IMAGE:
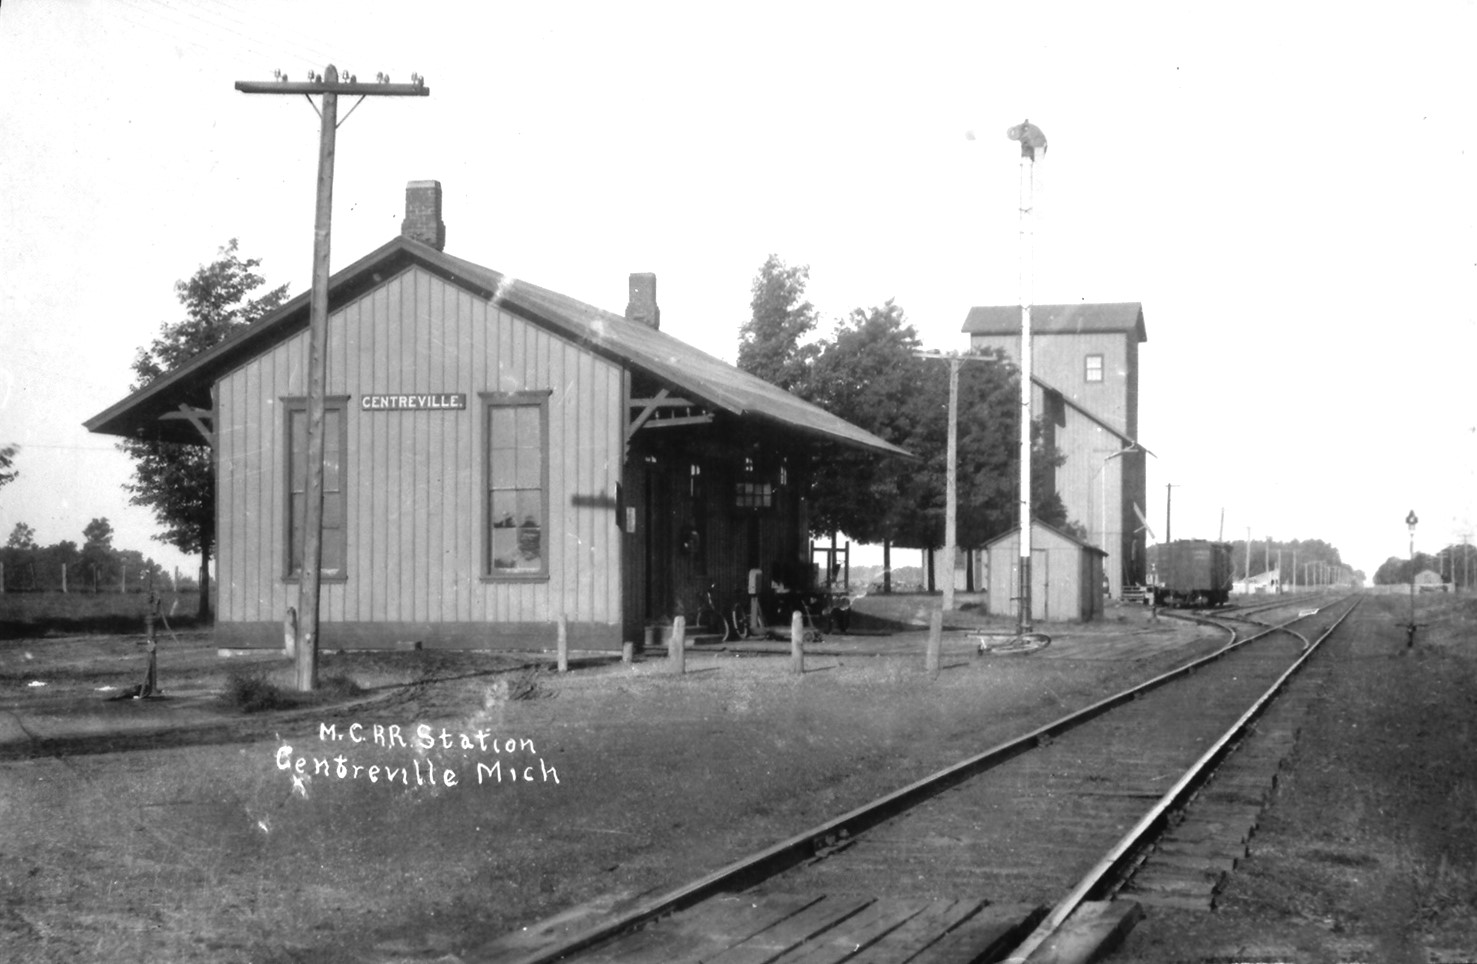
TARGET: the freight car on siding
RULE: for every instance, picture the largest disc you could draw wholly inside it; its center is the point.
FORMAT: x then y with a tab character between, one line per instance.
1193	572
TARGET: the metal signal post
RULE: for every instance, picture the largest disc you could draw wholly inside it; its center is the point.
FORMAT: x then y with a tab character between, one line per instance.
329	86
1031	140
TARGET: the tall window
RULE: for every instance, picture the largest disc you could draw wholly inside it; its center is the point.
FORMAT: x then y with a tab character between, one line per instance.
1094	368
335	508
517	474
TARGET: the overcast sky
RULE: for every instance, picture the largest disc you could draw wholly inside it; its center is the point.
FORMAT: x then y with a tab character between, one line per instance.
1287	188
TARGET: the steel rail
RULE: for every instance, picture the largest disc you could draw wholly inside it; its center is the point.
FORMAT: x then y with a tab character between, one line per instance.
1112	862
782	856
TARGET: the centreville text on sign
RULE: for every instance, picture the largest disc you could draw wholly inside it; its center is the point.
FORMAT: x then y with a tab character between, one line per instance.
408	403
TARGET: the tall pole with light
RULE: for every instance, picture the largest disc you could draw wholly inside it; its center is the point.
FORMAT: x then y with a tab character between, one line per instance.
1032	141
951	485
1102	473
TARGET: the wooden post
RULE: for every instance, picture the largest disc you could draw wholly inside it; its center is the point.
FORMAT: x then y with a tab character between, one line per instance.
797	643
2	578
289	633
562	644
628	652
123	581
151	676
676	649
64	577
935	636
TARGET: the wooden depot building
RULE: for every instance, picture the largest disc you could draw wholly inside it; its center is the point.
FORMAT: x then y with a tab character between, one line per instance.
498	456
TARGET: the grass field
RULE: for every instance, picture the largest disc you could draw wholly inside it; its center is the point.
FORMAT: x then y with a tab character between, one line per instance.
35	614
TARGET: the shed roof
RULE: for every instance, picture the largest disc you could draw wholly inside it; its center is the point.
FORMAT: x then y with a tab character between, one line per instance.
669	360
1038	524
1127	316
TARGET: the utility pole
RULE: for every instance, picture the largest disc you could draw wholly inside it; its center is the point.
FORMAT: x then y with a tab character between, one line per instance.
951	484
328	85
1031	140
1168	500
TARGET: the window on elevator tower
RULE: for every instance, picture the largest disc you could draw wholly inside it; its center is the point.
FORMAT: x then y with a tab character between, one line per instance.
1094	368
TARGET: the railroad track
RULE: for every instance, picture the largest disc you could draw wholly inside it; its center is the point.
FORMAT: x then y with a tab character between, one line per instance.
972	863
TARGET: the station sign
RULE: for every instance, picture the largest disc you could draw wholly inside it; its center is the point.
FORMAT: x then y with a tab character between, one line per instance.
455	401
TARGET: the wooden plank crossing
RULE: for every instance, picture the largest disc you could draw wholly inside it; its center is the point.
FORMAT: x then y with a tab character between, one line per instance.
756	928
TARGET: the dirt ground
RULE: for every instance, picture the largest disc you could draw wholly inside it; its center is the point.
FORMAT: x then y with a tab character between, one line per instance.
179	830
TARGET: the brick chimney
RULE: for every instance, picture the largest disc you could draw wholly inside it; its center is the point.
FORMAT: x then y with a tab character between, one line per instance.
642	306
423	214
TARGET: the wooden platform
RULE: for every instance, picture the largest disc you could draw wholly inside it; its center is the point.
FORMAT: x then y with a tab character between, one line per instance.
796	929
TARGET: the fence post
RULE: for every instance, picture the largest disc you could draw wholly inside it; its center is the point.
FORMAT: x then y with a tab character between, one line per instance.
797	643
64	577
123	582
562	643
675	651
628	652
151	678
935	633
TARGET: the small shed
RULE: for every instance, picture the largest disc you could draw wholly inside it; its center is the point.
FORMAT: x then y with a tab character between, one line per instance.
1263	582
1429	580
1066	575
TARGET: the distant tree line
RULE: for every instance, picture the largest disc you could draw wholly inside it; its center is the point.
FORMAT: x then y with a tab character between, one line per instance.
1304	562
1456	564
94	566
868	371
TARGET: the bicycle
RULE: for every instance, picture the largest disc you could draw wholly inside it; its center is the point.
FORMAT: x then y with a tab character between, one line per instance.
710	618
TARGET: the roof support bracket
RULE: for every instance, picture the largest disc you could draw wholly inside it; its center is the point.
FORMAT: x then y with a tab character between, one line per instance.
197	417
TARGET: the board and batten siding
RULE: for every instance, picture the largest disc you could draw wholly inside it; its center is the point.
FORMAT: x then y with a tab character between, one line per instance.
416	480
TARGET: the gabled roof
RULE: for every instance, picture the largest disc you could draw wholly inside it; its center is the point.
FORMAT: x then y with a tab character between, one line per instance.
696	374
1038	524
1127	316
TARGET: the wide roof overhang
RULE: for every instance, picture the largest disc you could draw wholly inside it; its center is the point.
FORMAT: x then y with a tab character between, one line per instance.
159	409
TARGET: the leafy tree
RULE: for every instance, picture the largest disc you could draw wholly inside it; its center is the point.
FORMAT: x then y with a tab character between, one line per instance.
98	558
1396	571
21	537
172	479
772	342
870	374
8	472
98	536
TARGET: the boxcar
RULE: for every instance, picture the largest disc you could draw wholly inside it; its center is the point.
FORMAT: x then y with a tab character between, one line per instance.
1193	572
